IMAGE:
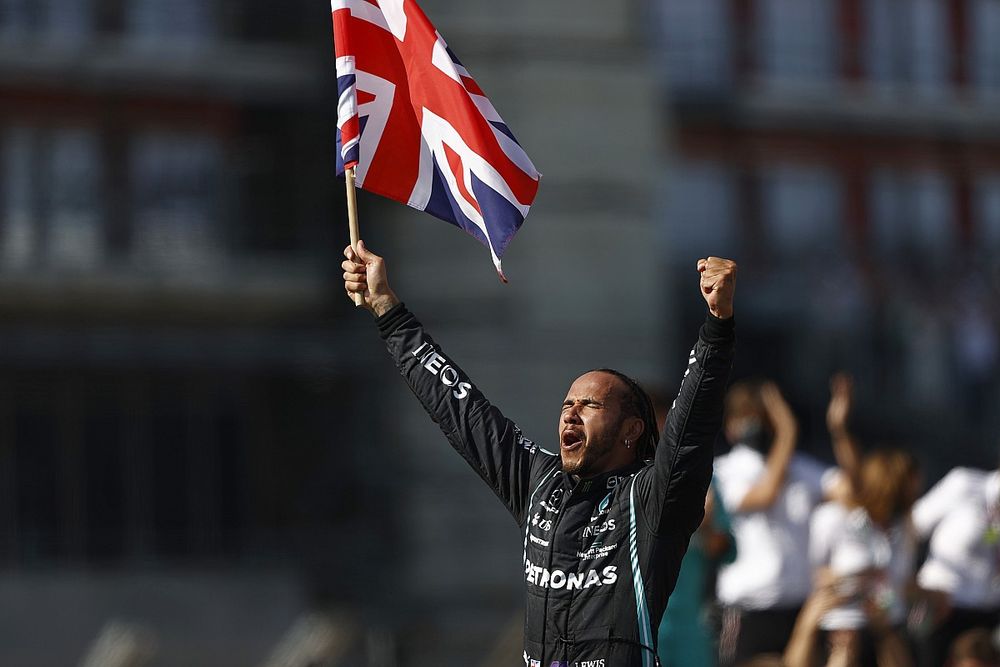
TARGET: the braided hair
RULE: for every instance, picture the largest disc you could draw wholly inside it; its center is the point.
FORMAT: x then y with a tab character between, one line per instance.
638	404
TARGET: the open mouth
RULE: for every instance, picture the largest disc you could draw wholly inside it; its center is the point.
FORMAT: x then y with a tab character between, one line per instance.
571	441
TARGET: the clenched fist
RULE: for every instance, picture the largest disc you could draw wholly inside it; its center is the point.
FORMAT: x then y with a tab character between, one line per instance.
718	282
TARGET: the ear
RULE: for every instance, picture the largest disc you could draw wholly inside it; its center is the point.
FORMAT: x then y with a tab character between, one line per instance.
633	429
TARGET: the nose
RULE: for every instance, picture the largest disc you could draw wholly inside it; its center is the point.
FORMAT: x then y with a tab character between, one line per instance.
571	414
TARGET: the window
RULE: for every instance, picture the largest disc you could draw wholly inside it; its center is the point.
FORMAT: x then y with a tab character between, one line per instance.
178	22
696	44
700	211
18	235
907	46
913	215
986	232
796	39
67	19
64	19
17	17
929	46
176	179
51	184
984	48
72	199
800	208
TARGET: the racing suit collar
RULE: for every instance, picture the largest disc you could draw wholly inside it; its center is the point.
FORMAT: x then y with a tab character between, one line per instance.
602	482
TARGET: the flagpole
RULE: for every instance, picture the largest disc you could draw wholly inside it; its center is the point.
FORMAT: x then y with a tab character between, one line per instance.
352	219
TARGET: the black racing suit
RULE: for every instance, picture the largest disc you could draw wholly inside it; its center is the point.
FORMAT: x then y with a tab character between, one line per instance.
601	555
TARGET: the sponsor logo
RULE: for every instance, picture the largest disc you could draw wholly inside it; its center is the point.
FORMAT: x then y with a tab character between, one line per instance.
432	361
603	508
598	528
531	662
552	504
524	442
614	481
556	579
598	550
542	524
539	541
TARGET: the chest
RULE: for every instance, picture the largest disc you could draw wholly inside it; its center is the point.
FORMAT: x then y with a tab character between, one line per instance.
966	530
579	530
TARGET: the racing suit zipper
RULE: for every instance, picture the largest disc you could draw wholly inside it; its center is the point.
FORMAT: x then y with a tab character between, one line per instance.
548	590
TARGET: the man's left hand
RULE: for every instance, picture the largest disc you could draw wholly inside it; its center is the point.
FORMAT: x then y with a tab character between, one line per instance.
718	282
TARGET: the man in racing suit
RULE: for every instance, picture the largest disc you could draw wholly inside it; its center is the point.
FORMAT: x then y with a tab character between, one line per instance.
607	520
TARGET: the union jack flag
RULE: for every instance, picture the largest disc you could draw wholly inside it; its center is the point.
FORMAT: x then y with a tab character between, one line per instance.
418	129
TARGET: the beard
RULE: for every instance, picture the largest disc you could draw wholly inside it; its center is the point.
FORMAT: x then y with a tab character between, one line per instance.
590	454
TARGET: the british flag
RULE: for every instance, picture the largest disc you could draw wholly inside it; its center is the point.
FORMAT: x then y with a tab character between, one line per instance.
418	129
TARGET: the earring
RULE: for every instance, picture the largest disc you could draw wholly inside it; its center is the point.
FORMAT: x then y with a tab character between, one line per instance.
628	445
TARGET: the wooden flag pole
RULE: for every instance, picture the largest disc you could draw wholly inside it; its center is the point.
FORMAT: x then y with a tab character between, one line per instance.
352	219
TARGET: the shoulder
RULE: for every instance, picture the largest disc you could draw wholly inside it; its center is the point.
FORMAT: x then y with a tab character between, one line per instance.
828	516
960	482
739	461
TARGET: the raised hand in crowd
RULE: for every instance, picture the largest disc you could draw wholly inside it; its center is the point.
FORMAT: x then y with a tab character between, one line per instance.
786	432
803	646
838	413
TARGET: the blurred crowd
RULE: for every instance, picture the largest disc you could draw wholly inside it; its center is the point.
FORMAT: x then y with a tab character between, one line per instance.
800	564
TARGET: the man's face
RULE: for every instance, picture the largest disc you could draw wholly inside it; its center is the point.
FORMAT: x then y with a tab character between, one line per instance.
591	426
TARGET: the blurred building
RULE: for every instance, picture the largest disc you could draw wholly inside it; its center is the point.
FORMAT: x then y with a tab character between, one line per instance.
848	153
173	411
199	439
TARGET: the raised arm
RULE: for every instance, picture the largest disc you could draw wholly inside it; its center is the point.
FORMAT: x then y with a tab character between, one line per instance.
673	489
838	413
765	491
803	645
491	444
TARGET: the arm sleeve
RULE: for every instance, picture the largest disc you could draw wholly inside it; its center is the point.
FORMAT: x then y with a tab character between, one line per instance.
491	444
936	503
673	488
824	525
732	484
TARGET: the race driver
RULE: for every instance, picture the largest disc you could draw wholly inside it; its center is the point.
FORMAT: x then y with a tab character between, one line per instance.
607	520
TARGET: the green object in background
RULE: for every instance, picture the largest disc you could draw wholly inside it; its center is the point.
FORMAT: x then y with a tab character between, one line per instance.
686	638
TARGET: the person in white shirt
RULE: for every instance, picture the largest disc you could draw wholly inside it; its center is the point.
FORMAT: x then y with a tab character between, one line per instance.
864	545
961	516
770	492
867	548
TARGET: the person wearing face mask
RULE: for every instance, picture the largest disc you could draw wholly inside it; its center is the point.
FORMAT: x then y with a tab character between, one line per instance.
769	490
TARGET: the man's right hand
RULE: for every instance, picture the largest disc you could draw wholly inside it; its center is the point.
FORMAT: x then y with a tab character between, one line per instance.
364	274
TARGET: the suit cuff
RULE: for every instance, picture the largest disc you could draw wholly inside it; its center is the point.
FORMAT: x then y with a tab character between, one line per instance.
718	332
392	319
